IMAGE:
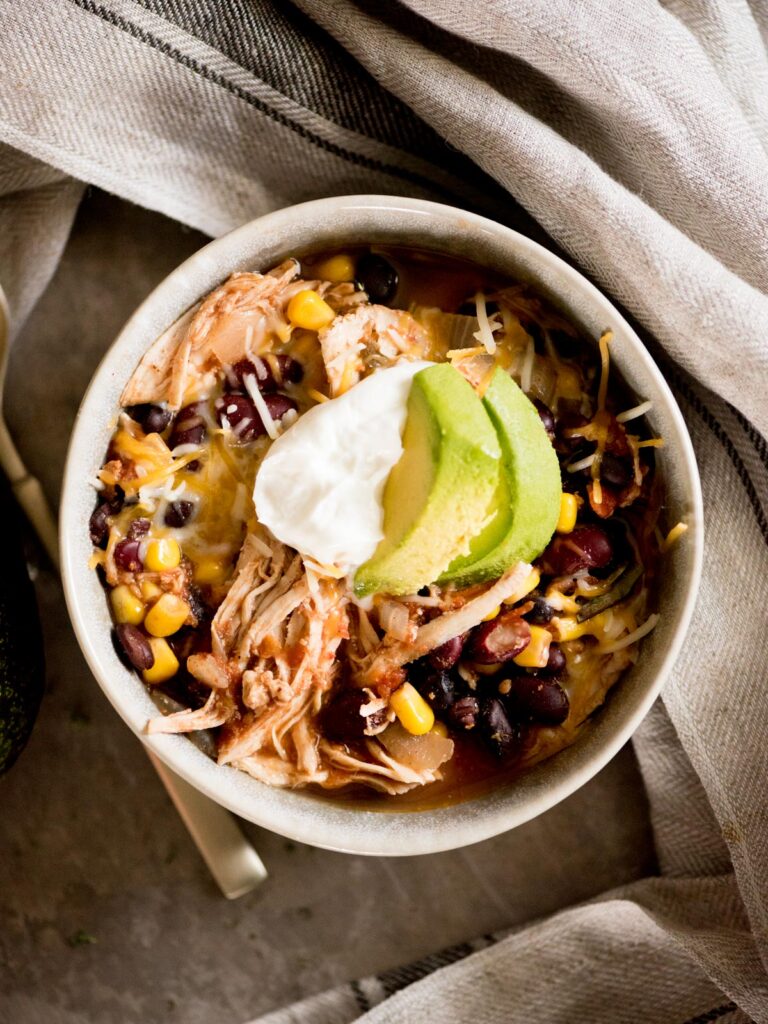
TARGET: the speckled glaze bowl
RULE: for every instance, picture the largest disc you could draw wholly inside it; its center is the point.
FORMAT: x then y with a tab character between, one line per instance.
297	814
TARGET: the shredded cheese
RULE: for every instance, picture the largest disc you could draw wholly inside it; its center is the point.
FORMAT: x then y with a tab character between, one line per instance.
652	442
631	638
261	406
465	353
674	534
317	396
633	413
484	335
585	463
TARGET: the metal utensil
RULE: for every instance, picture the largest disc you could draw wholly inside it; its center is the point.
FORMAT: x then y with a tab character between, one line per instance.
230	858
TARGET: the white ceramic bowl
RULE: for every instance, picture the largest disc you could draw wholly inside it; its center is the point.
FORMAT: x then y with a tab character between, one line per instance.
358	220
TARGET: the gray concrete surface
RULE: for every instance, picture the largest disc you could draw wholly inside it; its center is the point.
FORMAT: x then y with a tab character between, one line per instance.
107	914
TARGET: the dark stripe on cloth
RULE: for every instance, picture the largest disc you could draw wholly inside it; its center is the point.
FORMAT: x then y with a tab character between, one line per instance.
215	77
716	428
398	978
716	1014
360	997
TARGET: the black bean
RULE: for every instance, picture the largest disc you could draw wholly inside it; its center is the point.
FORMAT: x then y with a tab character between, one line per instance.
135	645
446	655
438	689
153	419
541	613
189	426
537	699
463	712
197	605
546	417
556	663
127	555
178	513
616	471
500	735
98	526
377	276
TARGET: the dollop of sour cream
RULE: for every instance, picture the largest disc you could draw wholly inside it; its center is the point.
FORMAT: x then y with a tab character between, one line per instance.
320	486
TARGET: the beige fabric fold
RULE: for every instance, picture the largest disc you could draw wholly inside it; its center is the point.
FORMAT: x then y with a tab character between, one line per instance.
636	136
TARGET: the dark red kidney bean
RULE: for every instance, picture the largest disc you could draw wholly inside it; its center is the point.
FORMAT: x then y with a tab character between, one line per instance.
138	528
98	525
153	419
341	720
500	639
127	555
541	613
136	646
587	547
189	426
377	276
541	700
463	713
438	689
243	418
290	371
179	513
556	663
615	471
546	417
446	655
499	734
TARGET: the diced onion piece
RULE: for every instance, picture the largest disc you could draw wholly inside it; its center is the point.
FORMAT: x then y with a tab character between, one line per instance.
485	334
632	414
394	619
631	638
261	406
425	752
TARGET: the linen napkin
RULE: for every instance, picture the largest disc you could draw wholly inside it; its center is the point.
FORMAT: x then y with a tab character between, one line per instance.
635	139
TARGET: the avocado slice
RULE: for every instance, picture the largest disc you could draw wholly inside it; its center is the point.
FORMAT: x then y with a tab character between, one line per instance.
527	501
21	642
440	490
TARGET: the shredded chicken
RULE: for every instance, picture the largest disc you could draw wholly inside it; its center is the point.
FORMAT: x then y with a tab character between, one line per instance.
369	338
382	669
234	322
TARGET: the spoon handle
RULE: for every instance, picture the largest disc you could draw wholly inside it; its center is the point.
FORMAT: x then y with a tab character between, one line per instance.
231	859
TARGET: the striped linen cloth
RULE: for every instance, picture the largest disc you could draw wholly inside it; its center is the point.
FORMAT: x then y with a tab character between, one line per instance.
633	138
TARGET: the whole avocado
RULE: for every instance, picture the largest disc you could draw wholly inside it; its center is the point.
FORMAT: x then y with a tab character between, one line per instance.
22	668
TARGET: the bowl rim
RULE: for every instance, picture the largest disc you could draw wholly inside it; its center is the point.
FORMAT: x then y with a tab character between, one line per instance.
289	813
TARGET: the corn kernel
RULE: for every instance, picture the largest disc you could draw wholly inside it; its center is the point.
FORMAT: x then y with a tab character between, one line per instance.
166	616
307	309
532	581
440	729
492	614
126	606
166	664
150	591
162	554
209	571
337	269
536	654
416	716
569	510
